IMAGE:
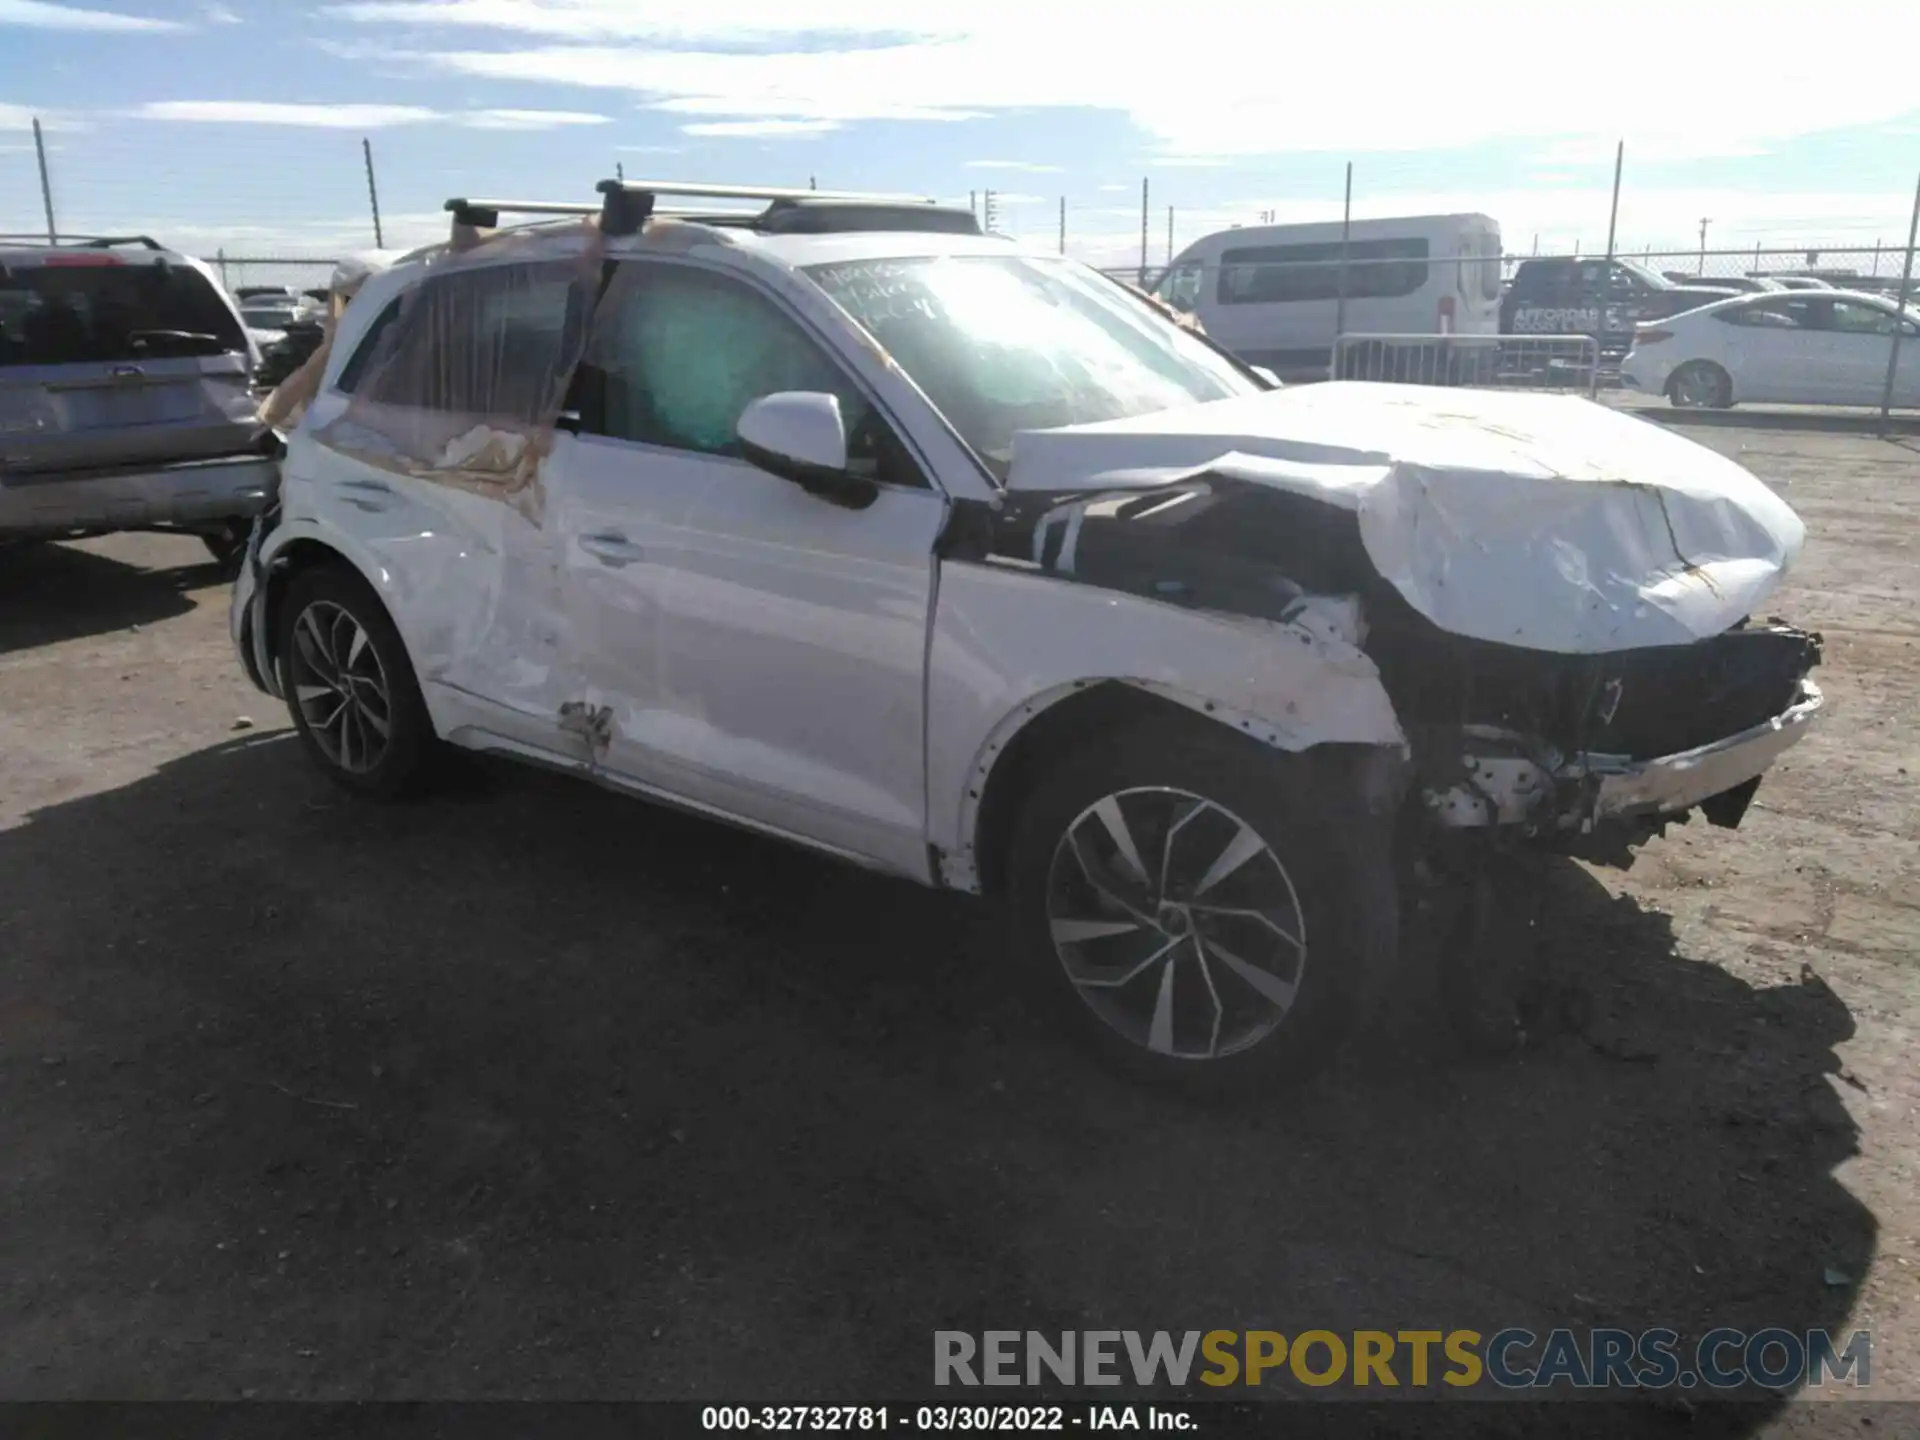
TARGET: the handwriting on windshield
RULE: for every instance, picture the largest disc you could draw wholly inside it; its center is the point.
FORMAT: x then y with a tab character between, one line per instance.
880	290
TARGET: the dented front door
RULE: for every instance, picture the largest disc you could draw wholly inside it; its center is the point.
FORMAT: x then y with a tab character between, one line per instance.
759	651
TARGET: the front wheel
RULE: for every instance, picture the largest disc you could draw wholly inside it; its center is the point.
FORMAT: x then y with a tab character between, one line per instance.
1200	907
350	687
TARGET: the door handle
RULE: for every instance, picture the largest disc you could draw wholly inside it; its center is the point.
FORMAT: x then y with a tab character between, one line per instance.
610	547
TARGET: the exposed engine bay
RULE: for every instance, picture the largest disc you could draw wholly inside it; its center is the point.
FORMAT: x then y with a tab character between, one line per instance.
1499	734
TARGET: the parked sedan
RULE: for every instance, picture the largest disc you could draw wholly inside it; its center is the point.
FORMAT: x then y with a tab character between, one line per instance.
1807	347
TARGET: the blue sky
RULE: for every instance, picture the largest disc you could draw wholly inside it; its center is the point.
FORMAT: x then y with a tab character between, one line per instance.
239	123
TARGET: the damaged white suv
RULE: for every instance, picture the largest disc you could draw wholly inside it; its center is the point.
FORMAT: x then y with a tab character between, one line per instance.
845	522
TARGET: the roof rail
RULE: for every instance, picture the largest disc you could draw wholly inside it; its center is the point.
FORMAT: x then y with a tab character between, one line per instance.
82	242
628	203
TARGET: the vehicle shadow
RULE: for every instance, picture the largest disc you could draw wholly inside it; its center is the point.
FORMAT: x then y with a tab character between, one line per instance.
50	593
531	1090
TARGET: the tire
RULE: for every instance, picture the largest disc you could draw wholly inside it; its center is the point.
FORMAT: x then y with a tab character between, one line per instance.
228	547
1087	930
1700	385
317	652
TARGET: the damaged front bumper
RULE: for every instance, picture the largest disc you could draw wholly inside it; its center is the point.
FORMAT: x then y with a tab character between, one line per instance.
1507	781
1623	789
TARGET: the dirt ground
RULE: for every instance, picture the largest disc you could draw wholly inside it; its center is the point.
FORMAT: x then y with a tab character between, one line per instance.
530	1090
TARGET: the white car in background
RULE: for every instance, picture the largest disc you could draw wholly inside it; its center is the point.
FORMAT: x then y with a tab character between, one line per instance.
1808	347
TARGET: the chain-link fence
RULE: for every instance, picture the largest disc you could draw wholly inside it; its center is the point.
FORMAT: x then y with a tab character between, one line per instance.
1876	269
294	272
271	220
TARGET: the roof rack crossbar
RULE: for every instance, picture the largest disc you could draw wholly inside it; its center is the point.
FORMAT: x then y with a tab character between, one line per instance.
628	203
485	214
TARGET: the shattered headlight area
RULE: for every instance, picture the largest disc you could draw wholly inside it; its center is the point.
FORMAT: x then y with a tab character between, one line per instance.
1604	750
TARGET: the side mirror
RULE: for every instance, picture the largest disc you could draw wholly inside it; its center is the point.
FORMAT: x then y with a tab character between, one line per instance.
1267	375
800	436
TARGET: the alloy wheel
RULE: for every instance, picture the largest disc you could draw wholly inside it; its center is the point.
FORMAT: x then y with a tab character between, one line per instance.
1696	388
1176	923
341	687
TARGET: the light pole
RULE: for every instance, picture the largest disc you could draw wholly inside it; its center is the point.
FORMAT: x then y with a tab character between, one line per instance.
1701	268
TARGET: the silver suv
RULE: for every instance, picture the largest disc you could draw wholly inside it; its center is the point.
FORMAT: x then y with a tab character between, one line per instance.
125	396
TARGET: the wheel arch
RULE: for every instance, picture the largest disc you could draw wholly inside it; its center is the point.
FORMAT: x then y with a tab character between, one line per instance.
1047	725
292	550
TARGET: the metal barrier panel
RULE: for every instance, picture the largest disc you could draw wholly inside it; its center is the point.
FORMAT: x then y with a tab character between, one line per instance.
1504	362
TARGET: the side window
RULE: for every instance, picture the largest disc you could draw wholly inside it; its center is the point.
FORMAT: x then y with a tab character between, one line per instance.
377	342
1853	318
1534	281
1180	286
1625	284
1290	274
492	341
678	353
1773	315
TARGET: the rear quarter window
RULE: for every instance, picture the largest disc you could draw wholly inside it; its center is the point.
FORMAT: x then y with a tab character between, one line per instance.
103	310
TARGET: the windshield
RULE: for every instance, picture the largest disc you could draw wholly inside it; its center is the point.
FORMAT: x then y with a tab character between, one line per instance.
1002	344
264	319
1641	272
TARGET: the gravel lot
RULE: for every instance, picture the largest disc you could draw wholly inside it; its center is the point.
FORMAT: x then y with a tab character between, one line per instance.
529	1090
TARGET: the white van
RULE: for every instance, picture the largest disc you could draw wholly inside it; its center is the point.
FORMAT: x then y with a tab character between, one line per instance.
1272	293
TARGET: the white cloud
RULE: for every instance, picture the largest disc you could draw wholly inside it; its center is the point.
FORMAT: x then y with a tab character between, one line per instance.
262	112
671	21
761	129
1188	162
848	60
42	15
356	117
219	15
650	149
1024	166
1599	153
20	118
530	119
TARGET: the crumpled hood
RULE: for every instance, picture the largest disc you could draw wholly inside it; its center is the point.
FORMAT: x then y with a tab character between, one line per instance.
1543	521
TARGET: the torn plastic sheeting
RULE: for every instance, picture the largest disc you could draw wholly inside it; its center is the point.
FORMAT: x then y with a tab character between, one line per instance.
284	408
468	381
1545	522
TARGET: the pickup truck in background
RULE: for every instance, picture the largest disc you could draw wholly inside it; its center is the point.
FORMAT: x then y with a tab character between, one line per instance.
1579	295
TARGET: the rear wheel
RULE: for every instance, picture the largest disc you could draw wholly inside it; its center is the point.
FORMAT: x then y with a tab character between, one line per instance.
1700	385
350	687
1198	907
